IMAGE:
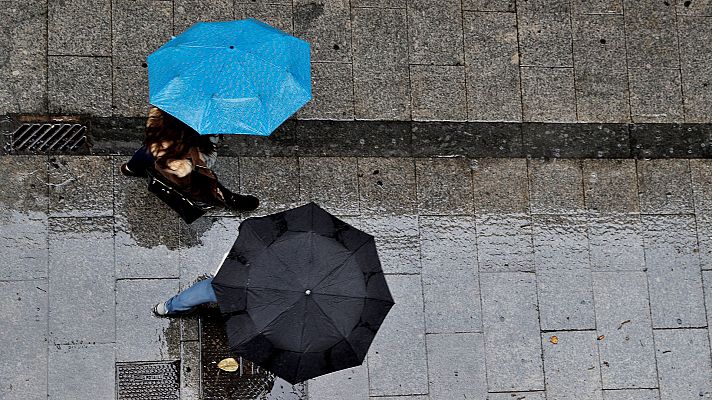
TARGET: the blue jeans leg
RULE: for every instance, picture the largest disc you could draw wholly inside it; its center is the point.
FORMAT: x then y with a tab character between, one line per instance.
141	161
200	293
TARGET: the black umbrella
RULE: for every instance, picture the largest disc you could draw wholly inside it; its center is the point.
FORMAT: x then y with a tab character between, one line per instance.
302	293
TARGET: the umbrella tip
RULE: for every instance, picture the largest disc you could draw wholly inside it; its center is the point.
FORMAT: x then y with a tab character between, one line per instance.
308	292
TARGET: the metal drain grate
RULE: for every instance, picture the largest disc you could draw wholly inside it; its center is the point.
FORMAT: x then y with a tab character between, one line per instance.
148	380
47	137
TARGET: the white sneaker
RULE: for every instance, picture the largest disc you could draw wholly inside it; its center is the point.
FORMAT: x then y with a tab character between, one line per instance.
160	309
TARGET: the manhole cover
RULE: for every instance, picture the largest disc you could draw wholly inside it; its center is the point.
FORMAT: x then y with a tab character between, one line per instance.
148	380
54	137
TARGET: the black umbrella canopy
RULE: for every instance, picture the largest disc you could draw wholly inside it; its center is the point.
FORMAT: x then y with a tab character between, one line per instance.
302	293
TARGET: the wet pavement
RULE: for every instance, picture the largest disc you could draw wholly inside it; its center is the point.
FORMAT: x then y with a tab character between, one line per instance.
513	278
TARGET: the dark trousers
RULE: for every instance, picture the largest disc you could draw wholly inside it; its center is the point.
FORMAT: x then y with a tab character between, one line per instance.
141	161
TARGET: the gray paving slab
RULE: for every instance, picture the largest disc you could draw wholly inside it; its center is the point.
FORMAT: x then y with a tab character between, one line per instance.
76	371
545	39
616	242
651	34
203	246
560	242
80	186
577	141
332	92
188	12
277	15
130	97
349	384
456	366
598	6
23	217
189	328
382	94
190	370
556	186
141	336
623	323
139	28
655	94
565	300
511	328
387	186
704	239
701	171
146	235
435	32
504	243
78	28
81	295
548	94
492	66
378	3
674	278
23	340
601	76
500	185
397	359
517	396
695	7
665	186
610	186
684	363
489	5
451	288
571	365
331	182
536	7
274	180
79	85
632	394
438	93
444	186
326	26
24	68
694	35
707	281
397	240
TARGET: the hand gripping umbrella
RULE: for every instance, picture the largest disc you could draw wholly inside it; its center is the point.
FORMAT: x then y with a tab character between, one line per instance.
302	293
235	77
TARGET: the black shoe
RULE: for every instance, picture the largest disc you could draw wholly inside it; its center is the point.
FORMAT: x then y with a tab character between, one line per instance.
239	202
127	172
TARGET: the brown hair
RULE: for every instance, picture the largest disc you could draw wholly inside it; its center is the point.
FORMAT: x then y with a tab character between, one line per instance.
173	136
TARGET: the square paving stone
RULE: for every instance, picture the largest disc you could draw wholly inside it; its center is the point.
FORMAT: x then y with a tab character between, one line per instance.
671	140
492	66
23	343
80	186
277	15
655	94
695	7
387	186
354	139
274	180
450	285
707	282
489	5
76	370
79	85
500	185
435	32
130	96
332	92
348	384
697	90
684	364
397	240
444	186
139	28
697	83
467	139
382	94
665	186
190	370
548	94
536	7
203	246
331	182
79	28
545	40
438	93
623	320
456	367
555	140
556	186
511	328
673	271
704	239
326	26
598	6
23	216
397	362
565	300
631	394
517	396
146	231
610	186
380	38
81	273
651	34
188	12
140	336
571	365
378	3
560	242
616	242
504	243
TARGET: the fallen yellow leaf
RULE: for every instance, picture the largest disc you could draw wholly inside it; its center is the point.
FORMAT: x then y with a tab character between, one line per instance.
601	337
554	340
228	364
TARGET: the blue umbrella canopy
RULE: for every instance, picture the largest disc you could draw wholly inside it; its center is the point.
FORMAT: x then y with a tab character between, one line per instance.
236	77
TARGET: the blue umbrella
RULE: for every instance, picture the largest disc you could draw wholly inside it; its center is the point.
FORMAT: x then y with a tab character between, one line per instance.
236	77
